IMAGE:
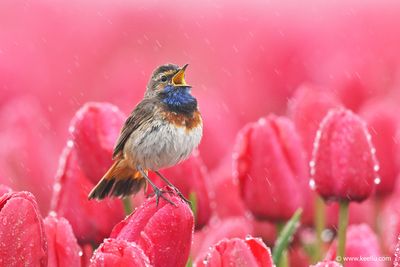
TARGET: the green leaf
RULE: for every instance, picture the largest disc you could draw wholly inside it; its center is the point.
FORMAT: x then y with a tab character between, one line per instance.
286	235
193	206
189	263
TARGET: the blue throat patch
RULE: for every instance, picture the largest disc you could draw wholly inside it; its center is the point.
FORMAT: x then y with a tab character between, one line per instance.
177	98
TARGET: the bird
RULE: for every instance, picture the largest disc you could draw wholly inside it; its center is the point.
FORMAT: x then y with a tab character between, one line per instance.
161	131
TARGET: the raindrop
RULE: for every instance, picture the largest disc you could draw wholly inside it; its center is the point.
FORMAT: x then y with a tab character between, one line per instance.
262	121
373	150
377	180
312	184
80	253
327	235
57	187
376	167
312	164
71	129
70	143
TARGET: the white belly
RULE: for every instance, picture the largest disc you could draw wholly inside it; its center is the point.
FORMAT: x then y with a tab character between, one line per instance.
162	145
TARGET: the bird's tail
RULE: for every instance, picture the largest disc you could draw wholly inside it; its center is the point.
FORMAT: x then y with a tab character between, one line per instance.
120	180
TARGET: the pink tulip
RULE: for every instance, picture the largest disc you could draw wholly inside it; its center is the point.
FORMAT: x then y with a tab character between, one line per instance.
190	177
343	164
118	252
95	129
4	189
164	233
327	264
22	235
362	248
62	244
397	254
307	108
270	165
27	150
237	252
216	230
91	220
382	120
227	200
389	219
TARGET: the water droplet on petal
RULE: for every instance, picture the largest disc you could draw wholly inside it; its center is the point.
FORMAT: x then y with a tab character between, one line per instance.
80	253
70	143
312	164
377	180
376	167
312	184
262	121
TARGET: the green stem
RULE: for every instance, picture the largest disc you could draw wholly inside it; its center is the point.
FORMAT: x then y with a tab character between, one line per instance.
343	221
283	261
319	221
127	205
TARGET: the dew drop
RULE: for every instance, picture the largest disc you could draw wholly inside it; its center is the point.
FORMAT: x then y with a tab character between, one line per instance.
262	121
312	164
70	143
376	167
57	187
312	184
377	180
80	253
373	150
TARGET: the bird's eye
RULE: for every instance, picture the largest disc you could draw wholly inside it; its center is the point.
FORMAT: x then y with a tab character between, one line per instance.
163	78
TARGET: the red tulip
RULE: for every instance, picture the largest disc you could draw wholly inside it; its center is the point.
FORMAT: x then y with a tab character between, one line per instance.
362	248
118	252
382	120
343	164
237	252
270	165
95	129
327	264
22	236
190	177
218	229
164	232
91	220
62	244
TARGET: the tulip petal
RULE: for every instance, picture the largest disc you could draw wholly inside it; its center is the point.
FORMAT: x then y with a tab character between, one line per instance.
64	250
118	252
22	236
164	232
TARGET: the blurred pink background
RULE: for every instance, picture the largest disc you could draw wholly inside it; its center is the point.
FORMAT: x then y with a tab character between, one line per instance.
246	59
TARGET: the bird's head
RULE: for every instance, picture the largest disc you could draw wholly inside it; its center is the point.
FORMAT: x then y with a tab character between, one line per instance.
167	78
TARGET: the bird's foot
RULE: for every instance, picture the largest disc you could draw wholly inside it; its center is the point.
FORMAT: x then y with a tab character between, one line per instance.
160	193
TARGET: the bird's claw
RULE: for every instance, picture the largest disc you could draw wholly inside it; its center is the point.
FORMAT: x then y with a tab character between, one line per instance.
160	193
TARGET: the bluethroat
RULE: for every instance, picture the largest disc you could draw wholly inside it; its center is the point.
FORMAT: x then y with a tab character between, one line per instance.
161	131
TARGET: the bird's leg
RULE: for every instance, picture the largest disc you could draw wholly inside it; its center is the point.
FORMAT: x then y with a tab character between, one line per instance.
157	191
173	187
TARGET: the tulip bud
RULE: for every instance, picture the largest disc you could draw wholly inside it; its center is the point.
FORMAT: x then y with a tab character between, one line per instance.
118	252
163	232
237	252
270	166
190	177
327	264
91	220
307	108
361	243
382	121
62	244
217	230
95	129
344	165
22	236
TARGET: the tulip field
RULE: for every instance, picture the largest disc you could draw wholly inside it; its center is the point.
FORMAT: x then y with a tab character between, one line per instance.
298	166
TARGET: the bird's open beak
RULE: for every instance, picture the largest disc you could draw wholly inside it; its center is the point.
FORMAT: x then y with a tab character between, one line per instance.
179	77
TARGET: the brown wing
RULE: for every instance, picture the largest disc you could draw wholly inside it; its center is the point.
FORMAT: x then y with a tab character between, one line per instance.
142	113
